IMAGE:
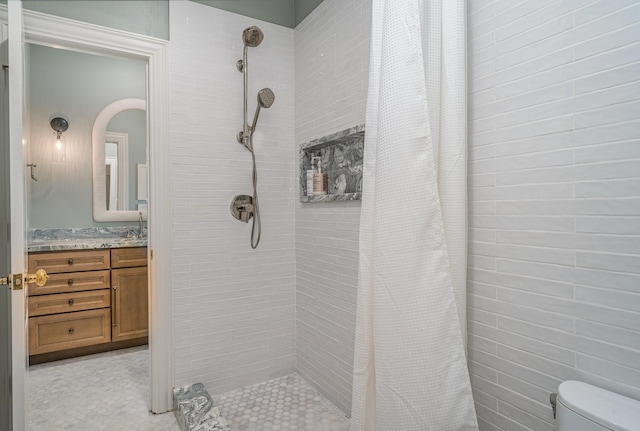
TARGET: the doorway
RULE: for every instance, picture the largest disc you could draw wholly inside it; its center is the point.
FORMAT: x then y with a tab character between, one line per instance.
52	31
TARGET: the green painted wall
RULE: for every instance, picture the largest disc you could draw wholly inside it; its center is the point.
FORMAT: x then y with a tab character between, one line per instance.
148	17
302	8
77	86
288	13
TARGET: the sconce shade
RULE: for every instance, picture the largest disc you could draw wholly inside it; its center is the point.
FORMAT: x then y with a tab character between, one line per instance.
59	124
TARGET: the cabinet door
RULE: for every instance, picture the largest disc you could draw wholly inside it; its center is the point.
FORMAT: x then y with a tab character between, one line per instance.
129	304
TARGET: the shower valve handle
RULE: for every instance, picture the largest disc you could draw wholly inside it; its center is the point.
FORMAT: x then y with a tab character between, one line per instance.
242	208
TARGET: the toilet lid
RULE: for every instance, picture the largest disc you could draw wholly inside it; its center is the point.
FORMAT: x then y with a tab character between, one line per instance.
600	406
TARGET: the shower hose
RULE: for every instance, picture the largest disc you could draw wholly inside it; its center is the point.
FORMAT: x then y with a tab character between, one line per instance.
255	233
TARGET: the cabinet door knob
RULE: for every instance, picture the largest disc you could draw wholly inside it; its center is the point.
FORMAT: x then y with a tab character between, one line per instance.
71	331
71	301
70	261
70	282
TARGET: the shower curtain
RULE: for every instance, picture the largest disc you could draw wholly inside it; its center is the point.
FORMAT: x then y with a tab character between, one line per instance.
410	369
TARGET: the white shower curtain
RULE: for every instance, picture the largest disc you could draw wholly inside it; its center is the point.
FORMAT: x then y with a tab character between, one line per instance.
410	369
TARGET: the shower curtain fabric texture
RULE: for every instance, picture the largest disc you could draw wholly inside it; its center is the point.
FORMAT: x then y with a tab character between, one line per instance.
410	370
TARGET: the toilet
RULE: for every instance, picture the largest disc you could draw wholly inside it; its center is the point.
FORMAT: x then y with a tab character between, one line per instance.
583	407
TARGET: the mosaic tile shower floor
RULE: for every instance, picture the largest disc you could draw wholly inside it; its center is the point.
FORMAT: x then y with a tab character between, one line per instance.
284	404
108	392
103	392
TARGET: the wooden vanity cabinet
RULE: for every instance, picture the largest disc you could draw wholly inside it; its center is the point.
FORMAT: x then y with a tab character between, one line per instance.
72	309
94	300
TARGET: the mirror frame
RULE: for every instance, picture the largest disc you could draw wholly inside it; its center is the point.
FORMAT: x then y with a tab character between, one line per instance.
98	136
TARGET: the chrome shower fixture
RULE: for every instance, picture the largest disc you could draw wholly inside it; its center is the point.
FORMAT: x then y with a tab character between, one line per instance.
252	36
244	207
265	100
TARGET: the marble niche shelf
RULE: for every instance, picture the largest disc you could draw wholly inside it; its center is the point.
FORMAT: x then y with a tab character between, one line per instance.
341	156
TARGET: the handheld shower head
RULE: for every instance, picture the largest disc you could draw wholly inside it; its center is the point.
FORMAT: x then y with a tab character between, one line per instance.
265	100
252	36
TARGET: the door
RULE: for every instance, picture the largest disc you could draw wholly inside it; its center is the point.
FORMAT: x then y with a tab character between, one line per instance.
129	303
13	237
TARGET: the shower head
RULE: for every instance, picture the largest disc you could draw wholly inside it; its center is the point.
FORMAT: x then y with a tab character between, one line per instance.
265	100
266	97
252	36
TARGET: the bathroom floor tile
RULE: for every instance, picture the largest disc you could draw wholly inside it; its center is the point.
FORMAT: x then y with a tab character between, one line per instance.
287	403
107	391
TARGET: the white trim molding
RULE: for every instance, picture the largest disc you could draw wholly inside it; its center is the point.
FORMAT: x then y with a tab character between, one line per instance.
53	31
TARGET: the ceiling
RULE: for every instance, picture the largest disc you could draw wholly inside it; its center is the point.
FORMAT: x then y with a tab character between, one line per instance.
288	13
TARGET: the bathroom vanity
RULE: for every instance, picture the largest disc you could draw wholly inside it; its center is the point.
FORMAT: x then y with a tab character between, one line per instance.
95	300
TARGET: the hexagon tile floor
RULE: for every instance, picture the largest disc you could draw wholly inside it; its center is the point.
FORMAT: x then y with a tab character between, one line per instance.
103	392
108	392
287	403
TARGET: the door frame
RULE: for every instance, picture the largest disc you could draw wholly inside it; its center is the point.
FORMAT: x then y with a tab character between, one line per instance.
17	217
58	32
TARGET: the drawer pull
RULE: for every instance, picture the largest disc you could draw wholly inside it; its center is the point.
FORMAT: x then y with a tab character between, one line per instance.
71	331
70	261
70	282
71	301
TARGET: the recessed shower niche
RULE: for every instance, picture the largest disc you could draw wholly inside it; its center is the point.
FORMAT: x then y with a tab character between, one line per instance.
340	157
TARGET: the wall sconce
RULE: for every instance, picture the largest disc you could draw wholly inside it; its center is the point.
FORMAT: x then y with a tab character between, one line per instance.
59	148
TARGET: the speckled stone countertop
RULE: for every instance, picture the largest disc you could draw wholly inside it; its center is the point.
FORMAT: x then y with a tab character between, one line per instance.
84	238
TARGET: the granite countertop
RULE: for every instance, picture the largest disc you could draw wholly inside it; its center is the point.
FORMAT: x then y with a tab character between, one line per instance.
84	238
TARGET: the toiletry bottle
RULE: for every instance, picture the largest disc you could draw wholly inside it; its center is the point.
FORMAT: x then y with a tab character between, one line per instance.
310	177
319	180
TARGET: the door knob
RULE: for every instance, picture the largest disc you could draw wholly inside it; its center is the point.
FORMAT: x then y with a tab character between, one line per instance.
39	278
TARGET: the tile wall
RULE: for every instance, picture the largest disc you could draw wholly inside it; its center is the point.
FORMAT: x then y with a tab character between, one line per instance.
554	202
234	307
331	76
554	164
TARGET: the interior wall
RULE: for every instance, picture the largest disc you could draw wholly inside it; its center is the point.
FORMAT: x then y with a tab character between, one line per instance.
234	307
331	76
76	86
554	163
149	17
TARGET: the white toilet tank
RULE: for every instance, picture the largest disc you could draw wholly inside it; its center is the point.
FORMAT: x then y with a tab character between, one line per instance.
583	407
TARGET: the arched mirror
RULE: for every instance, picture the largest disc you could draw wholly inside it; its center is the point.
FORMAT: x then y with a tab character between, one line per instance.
119	161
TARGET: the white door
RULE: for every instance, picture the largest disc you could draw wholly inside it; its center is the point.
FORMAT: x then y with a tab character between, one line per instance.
13	237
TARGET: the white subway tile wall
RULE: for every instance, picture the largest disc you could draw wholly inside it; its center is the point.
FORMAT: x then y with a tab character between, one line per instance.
234	307
554	203
331	76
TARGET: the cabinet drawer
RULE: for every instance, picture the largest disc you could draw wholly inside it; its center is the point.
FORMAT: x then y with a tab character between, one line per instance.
69	330
128	257
66	302
69	261
73	282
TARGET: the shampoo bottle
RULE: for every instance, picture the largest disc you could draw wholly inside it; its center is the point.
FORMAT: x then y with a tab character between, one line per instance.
310	173
319	180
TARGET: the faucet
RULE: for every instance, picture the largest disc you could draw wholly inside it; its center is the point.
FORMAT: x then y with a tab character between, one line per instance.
140	235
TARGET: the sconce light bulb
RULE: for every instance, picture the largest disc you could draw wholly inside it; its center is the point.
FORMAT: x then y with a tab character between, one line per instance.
58	145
